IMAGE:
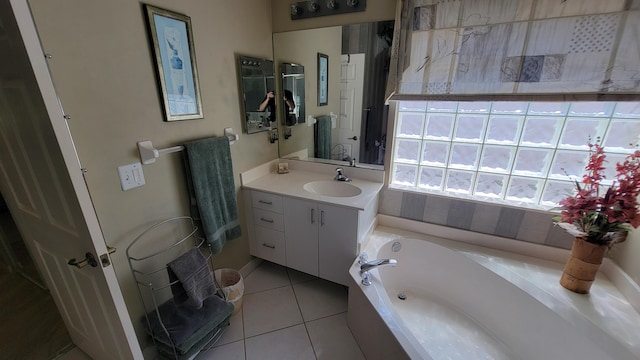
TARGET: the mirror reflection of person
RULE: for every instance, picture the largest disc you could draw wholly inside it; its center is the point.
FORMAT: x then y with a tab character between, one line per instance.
290	106
288	100
269	103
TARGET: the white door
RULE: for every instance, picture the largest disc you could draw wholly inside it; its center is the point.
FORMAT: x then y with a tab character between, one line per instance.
351	88
41	181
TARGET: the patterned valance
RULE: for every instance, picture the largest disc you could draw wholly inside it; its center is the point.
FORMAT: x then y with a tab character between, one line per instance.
556	49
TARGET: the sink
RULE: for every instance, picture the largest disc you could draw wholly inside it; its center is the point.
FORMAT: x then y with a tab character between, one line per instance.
332	188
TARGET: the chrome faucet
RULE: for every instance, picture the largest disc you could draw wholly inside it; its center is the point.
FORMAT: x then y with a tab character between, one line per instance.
340	176
364	268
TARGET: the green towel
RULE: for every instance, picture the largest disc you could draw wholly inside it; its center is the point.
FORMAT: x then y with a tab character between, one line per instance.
323	137
210	179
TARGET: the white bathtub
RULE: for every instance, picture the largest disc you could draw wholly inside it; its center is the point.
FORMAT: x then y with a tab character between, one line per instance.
466	302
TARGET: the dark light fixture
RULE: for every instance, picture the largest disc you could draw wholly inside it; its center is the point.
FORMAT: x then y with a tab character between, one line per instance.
314	8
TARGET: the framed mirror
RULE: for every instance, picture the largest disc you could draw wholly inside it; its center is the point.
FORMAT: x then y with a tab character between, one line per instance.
292	93
357	70
257	84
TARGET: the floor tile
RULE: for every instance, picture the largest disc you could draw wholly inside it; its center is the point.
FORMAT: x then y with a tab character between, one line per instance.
232	351
297	277
266	276
270	310
319	298
332	339
290	343
234	332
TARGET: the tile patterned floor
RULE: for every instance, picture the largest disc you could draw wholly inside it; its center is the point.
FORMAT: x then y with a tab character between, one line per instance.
286	314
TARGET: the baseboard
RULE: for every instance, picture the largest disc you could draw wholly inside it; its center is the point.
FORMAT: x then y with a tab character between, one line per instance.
250	266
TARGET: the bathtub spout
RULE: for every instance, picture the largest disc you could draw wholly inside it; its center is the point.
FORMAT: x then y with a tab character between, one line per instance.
376	263
364	268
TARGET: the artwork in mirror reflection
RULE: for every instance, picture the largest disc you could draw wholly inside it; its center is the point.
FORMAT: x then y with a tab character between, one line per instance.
258	93
357	63
293	93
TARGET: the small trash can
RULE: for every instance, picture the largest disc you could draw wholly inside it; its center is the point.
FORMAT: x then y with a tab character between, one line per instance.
231	285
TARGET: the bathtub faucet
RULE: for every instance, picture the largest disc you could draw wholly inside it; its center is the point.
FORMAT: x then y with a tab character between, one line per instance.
364	268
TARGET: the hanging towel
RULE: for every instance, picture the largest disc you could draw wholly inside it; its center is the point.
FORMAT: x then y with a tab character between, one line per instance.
213	192
323	137
192	271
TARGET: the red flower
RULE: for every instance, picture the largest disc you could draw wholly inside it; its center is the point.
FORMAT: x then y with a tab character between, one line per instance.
598	218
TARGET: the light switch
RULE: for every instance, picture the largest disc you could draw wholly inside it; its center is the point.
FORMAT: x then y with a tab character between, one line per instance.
131	176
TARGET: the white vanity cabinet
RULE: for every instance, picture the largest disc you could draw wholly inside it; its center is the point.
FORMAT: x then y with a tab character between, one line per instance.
320	239
266	230
313	237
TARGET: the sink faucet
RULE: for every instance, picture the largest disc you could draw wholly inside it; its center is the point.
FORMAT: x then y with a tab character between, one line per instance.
364	268
340	176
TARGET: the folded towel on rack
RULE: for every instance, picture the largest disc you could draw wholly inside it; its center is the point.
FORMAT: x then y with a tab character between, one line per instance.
212	189
192	270
184	327
322	132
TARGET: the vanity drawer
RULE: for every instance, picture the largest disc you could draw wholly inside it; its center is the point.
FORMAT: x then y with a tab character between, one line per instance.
269	245
266	201
268	219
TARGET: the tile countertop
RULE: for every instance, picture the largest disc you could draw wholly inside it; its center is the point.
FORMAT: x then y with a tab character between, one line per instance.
291	184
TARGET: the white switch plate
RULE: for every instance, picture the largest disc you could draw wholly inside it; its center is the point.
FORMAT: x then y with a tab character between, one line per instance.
131	176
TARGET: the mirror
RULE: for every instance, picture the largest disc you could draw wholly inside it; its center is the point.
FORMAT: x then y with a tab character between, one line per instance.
258	93
358	64
292	93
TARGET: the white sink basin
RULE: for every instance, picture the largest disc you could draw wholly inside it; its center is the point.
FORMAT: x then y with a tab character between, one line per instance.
332	188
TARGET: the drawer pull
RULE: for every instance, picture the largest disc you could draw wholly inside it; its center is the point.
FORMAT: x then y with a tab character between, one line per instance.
267	220
269	246
265	202
313	216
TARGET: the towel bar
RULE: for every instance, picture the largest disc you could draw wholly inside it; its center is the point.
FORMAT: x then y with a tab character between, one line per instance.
149	154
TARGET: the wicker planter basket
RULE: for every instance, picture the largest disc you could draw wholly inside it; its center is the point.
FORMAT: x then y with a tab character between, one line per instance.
582	266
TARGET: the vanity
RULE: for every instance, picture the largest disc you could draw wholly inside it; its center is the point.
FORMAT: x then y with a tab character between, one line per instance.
306	220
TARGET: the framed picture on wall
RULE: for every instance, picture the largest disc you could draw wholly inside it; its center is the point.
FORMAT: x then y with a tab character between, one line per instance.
323	79
172	41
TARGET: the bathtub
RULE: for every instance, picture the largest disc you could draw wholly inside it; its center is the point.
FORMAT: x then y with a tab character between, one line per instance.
446	300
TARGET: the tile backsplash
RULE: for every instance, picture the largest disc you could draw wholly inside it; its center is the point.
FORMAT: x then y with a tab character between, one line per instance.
493	219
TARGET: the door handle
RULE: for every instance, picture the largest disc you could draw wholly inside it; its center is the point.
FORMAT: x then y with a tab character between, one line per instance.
355	138
89	259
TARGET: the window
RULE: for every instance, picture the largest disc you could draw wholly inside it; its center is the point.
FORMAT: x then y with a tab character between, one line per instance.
522	153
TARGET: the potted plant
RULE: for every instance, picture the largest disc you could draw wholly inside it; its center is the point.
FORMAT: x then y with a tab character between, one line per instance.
598	218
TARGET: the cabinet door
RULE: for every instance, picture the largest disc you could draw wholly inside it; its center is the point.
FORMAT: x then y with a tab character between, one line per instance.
337	242
301	219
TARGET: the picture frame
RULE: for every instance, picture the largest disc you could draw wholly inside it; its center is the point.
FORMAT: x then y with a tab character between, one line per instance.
323	79
172	41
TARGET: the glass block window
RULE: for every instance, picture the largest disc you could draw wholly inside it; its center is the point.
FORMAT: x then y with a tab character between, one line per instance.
526	154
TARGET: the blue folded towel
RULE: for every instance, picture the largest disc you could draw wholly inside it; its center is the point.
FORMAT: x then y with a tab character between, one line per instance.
213	200
186	326
192	271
